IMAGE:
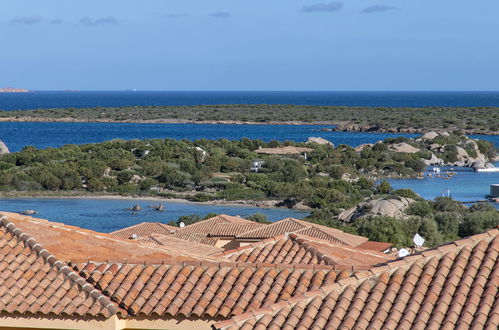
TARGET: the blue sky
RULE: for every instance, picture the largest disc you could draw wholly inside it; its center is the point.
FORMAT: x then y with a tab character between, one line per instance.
250	45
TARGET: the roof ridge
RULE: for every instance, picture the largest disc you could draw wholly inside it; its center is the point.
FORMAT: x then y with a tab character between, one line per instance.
356	279
209	263
61	266
249	246
306	241
322	231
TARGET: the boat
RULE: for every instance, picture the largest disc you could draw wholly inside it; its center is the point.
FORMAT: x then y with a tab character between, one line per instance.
490	170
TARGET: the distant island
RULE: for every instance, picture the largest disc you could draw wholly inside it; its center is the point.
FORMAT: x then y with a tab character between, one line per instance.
13	90
467	120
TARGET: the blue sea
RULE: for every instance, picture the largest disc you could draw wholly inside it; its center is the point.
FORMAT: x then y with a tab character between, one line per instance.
107	215
61	99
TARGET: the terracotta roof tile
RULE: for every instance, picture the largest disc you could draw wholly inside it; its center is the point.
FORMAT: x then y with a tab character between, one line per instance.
40	284
301	249
73	243
144	230
451	288
290	225
209	290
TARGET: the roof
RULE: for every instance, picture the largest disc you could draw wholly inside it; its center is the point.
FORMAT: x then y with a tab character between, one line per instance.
375	246
452	286
74	243
291	225
210	230
301	249
191	248
33	281
211	225
144	230
289	150
203	289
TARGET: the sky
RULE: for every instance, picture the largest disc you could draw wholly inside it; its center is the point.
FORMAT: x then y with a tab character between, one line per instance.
350	45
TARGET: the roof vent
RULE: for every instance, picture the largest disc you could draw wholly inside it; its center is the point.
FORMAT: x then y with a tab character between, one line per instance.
403	253
134	236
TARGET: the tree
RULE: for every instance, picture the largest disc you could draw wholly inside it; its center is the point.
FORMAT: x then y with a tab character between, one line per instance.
384	187
383	229
258	217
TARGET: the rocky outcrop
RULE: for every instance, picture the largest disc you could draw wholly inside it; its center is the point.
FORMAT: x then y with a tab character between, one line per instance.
319	140
362	146
393	207
3	148
434	160
403	148
428	136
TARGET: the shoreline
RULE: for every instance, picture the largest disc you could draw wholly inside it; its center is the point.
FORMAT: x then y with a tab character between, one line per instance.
337	126
249	203
161	121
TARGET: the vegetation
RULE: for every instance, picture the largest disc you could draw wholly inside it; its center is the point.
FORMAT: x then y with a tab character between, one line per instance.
329	180
468	120
437	221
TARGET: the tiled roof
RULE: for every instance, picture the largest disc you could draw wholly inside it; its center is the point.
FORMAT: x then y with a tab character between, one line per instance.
190	248
74	243
290	225
233	229
210	230
33	281
144	230
209	225
288	150
375	246
196	238
203	290
300	249
454	286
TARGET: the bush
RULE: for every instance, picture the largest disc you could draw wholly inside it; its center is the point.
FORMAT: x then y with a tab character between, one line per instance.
383	229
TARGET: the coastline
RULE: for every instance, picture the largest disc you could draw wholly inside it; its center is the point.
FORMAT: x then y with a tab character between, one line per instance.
239	203
161	121
337	126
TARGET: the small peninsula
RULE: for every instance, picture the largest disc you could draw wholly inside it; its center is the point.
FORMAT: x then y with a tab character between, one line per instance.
467	120
13	90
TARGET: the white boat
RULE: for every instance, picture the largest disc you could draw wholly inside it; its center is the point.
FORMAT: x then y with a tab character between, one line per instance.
492	169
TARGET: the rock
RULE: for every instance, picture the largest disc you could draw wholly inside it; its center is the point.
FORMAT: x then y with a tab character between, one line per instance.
434	160
159	208
136	208
462	155
404	148
3	148
428	136
361	147
136	179
106	172
481	164
28	212
444	133
388	207
319	140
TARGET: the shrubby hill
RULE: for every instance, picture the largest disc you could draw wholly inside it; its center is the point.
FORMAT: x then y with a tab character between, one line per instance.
324	178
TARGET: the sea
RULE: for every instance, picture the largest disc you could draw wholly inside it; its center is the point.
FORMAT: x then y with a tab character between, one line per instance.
82	99
109	215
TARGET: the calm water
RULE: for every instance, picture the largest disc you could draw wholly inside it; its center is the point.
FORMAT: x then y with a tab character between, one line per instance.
60	99
106	215
42	135
466	185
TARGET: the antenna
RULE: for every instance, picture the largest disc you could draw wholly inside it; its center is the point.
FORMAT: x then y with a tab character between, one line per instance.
181	225
403	253
418	240
134	236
